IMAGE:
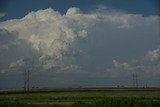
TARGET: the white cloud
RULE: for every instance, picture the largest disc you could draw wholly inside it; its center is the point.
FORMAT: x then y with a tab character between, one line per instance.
147	67
49	32
153	55
73	11
121	66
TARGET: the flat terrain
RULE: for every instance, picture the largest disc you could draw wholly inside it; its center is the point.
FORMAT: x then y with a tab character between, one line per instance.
82	97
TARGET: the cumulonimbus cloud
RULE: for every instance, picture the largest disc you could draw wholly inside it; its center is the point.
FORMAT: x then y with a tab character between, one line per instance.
49	32
52	36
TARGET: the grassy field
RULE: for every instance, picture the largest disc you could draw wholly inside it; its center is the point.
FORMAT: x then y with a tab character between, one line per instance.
88	97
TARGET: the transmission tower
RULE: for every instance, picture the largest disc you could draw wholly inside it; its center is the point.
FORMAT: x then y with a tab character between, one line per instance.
135	80
27	73
26	80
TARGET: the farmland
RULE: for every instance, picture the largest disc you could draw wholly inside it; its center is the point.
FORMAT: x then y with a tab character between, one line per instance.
82	97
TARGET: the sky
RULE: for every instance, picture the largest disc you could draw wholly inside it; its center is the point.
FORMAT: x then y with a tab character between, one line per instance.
19	8
79	43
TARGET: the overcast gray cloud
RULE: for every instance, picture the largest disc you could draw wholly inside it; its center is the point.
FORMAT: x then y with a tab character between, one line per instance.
79	48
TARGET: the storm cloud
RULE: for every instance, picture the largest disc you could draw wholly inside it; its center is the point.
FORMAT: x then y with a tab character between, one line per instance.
81	48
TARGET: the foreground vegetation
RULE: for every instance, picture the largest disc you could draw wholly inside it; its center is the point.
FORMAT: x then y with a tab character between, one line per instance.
104	102
82	98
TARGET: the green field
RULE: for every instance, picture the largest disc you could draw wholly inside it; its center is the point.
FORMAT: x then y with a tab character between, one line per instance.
86	97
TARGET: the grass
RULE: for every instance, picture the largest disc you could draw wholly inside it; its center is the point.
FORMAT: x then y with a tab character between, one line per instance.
82	98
